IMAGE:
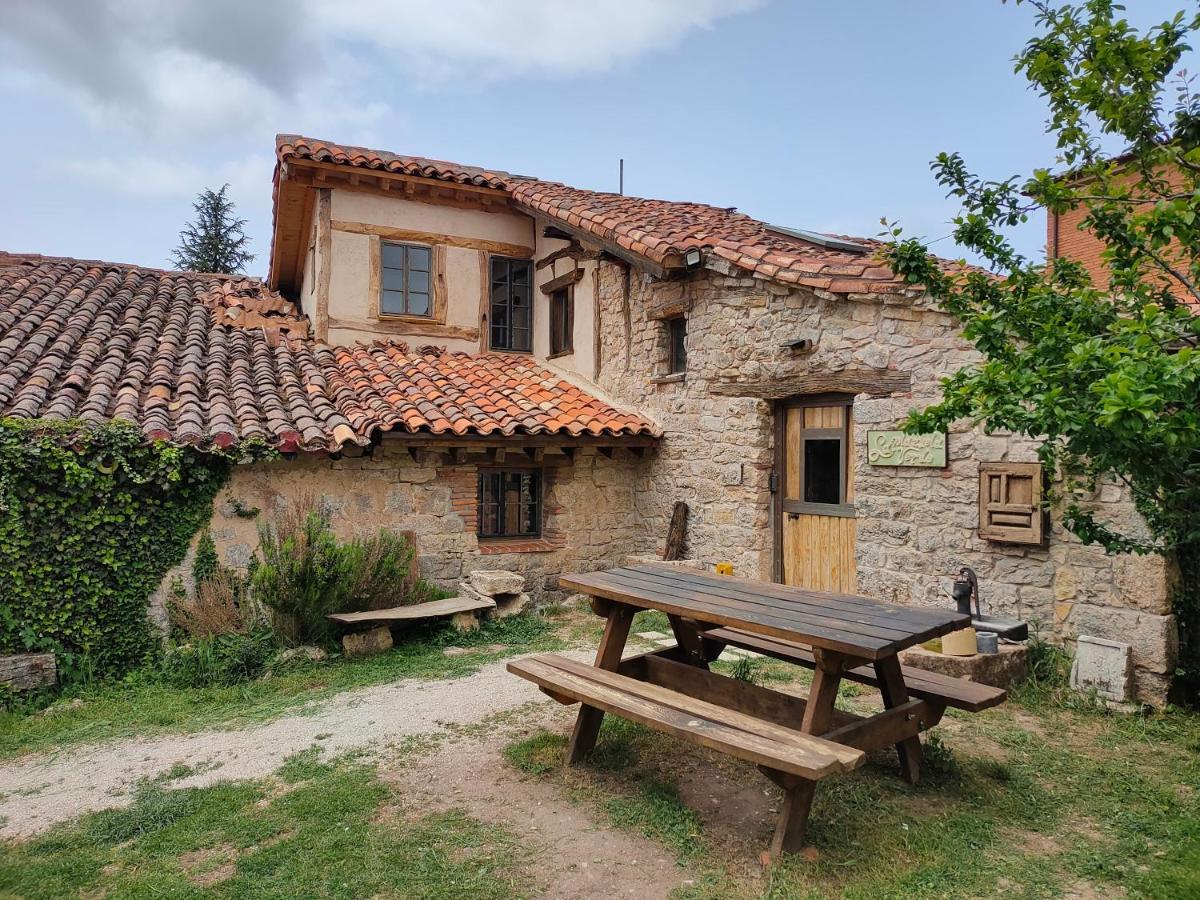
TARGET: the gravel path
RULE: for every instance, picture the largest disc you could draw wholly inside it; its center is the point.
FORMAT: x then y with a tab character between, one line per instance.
41	791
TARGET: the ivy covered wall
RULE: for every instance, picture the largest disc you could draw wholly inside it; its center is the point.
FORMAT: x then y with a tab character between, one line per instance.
90	520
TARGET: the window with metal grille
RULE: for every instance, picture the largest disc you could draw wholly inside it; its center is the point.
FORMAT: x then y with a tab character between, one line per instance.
404	281
512	305
677	336
510	503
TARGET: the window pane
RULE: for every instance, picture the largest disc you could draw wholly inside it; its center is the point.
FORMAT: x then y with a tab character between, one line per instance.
520	316
419	282
499	269
520	272
678	346
393	256
500	317
822	470
520	339
392	302
520	295
499	338
418	258
418	304
393	280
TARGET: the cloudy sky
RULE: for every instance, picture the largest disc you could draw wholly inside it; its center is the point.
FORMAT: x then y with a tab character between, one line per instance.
802	112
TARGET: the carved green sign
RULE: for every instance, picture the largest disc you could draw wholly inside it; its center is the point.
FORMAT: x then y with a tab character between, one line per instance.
895	448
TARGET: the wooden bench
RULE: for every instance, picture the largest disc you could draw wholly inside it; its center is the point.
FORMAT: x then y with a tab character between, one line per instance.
430	609
793	760
943	690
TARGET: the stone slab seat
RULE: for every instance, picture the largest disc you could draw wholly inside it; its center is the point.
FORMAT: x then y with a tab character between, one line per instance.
944	690
681	715
430	609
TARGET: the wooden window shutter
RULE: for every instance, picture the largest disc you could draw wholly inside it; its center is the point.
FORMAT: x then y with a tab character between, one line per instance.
1010	503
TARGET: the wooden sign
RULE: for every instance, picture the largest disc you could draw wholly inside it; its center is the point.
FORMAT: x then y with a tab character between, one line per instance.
895	448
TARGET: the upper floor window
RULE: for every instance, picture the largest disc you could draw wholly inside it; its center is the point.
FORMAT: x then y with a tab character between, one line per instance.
562	321
405	281
677	345
512	304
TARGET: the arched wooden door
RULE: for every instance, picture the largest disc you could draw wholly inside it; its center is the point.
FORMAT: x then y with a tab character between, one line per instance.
815	459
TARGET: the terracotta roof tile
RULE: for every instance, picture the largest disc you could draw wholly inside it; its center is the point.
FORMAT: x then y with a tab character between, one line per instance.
660	231
98	341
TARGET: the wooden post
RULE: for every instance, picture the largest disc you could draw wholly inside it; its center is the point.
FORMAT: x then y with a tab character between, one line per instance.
608	656
687	635
677	532
792	826
895	693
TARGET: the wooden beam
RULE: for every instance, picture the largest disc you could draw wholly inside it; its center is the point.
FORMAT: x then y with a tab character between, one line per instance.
537	454
513	442
381	175
672	264
562	281
848	381
575	253
388	233
324	264
414	325
555	233
496	454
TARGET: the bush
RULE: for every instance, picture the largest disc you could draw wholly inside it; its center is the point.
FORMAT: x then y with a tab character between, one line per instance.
221	606
220	659
305	573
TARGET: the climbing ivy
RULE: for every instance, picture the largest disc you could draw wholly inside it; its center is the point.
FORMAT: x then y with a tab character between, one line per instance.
91	518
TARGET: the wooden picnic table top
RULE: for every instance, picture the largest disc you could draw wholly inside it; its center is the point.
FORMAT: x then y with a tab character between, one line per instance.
845	623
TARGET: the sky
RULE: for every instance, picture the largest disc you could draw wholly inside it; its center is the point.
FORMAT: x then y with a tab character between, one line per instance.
805	113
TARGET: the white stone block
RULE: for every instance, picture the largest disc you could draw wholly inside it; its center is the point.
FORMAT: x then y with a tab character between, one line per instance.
491	583
1104	666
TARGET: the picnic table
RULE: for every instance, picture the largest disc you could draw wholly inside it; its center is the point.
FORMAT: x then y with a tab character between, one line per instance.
794	741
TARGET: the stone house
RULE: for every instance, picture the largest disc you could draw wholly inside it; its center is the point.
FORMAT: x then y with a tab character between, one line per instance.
529	376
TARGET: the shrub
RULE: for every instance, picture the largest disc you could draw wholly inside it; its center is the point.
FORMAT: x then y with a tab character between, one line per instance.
219	659
305	573
222	605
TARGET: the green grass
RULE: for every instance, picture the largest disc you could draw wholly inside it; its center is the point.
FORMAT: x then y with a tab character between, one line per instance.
143	705
334	833
1067	797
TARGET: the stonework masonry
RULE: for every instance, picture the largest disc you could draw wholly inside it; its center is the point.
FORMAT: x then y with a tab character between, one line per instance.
590	518
916	526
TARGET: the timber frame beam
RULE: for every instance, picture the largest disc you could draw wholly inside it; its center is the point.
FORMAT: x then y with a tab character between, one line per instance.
877	382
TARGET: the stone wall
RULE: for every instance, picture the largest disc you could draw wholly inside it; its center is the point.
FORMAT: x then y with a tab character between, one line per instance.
916	526
591	520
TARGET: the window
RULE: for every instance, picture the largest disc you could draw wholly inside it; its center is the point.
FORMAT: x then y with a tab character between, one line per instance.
1010	503
512	308
677	338
404	282
562	321
816	443
510	503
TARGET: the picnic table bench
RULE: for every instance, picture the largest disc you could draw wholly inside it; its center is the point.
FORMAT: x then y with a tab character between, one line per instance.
794	741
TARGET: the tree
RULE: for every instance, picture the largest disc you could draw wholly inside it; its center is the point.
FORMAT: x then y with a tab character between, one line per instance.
215	241
1109	378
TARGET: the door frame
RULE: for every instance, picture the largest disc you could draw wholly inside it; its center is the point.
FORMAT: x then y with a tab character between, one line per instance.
779	471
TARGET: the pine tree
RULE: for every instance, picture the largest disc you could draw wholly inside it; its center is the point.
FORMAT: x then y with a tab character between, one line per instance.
215	241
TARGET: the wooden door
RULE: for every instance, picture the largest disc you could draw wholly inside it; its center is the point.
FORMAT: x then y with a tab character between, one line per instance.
816	511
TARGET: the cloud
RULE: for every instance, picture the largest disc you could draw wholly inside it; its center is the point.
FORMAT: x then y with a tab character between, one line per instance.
165	179
195	68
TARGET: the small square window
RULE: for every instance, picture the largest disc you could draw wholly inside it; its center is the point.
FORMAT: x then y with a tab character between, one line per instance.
404	280
510	503
562	321
677	339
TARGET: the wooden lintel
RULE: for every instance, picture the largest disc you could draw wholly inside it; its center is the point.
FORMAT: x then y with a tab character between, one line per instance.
847	381
388	233
562	281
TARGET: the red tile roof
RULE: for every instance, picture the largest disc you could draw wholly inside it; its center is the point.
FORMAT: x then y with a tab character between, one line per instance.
660	231
211	360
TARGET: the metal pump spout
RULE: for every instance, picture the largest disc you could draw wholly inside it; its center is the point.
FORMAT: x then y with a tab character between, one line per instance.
964	589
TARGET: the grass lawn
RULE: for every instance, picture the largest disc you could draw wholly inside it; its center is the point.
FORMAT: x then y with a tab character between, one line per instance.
312	830
144	706
1042	797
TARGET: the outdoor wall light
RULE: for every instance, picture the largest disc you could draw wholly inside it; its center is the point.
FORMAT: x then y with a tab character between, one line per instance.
692	258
